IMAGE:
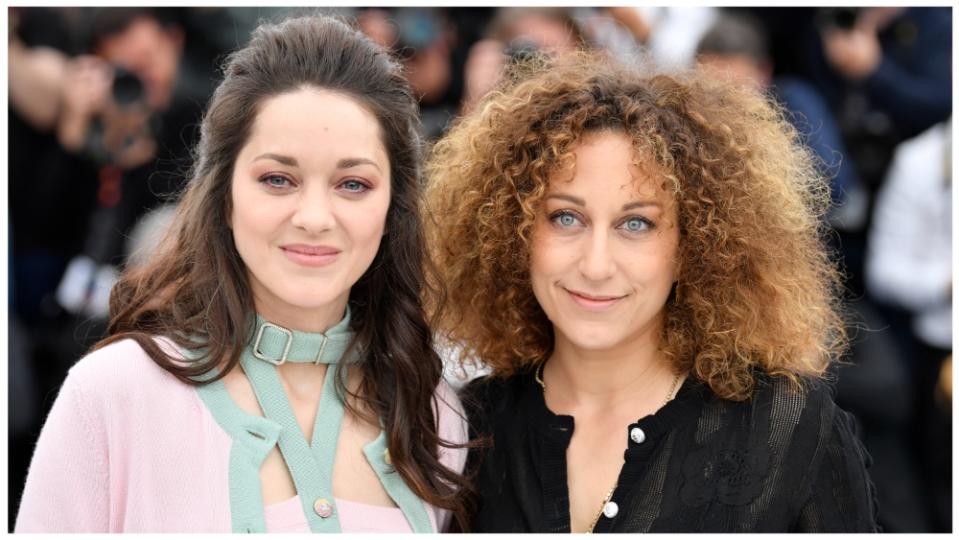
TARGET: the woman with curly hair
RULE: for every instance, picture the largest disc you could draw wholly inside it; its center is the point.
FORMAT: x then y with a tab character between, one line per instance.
269	368
638	258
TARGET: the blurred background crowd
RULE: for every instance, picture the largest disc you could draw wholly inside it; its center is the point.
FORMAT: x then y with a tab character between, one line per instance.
104	107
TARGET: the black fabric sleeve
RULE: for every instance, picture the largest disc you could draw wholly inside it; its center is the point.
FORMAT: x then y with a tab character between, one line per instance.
842	496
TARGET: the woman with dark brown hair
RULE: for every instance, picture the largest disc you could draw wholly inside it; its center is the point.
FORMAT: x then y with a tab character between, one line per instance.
270	368
638	257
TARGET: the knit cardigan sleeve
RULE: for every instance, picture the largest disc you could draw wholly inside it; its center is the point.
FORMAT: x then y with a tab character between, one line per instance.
67	488
452	428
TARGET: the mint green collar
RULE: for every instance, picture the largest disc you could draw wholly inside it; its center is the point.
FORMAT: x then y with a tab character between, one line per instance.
277	345
310	465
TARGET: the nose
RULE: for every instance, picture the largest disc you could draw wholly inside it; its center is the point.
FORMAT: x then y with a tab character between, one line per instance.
597	262
314	211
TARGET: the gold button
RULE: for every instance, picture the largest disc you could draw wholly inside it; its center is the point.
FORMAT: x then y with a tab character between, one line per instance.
323	508
386	457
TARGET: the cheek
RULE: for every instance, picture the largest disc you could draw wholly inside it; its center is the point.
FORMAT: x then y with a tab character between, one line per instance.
236	217
675	256
367	223
251	217
539	256
547	261
664	268
553	257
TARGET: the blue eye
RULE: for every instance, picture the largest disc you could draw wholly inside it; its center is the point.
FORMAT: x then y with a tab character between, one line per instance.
636	224
275	181
564	219
354	186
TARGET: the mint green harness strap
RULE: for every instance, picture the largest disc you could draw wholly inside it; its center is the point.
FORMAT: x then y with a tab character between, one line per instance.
253	438
414	509
310	465
312	470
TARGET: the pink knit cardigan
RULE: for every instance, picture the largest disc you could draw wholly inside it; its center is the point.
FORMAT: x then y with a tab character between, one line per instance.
129	448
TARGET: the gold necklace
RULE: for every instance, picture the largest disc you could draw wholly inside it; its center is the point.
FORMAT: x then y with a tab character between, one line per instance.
609	495
674	389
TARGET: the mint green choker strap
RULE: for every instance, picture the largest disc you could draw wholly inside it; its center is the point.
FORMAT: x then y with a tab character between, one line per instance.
277	345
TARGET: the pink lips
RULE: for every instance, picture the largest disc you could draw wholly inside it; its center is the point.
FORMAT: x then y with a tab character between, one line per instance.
593	303
307	255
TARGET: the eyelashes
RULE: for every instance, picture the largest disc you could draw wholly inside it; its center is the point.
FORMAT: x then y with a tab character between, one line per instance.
568	220
565	219
636	224
275	181
281	183
352	185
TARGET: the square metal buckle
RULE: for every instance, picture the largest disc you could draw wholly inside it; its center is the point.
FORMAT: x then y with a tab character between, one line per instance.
316	359
286	349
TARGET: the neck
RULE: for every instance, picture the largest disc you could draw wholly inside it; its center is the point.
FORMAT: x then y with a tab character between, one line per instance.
313	320
591	379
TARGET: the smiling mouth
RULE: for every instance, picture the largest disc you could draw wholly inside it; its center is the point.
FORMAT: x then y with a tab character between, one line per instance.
591	302
310	255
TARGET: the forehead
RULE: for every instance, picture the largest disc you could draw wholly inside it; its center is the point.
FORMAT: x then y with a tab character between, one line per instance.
316	122
607	162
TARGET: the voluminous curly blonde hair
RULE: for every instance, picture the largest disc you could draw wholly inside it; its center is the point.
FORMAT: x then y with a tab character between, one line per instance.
756	288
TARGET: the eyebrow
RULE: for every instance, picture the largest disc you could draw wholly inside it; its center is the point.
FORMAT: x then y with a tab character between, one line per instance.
345	163
580	202
286	160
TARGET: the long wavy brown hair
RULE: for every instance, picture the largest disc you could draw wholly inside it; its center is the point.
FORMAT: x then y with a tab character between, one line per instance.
196	287
756	289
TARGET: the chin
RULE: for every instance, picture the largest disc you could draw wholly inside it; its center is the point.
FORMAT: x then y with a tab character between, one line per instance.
599	344
309	298
593	337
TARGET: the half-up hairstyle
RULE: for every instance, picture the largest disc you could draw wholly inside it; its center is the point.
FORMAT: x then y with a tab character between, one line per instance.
196	287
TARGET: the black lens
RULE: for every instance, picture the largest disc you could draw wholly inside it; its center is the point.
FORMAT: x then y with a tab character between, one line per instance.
843	18
127	88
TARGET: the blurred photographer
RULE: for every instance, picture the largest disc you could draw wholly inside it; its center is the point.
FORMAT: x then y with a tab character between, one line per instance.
899	59
516	33
851	41
130	107
423	38
110	97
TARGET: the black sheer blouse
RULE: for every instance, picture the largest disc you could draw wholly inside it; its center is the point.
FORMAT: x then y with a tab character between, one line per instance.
782	461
